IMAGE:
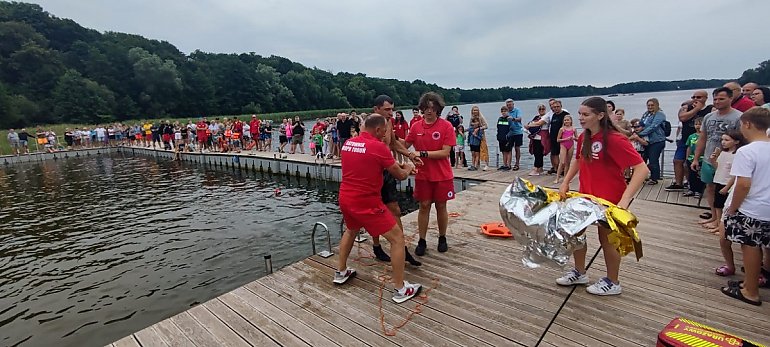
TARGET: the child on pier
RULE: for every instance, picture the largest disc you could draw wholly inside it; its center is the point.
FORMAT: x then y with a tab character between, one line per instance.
747	219
603	156
566	139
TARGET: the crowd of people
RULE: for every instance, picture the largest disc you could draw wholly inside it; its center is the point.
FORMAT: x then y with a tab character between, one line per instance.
719	147
719	155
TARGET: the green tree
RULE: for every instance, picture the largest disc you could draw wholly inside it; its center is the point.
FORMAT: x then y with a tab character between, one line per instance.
78	99
158	79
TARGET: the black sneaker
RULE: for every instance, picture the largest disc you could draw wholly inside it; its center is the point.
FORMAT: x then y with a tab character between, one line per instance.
673	187
380	254
410	259
442	246
420	249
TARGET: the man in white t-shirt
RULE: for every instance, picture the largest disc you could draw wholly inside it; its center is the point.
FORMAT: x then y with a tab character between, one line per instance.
747	220
100	134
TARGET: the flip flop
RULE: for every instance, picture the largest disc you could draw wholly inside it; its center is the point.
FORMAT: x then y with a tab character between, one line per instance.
724	270
705	215
735	293
515	168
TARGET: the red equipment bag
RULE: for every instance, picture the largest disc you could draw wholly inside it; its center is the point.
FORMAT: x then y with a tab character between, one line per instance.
686	333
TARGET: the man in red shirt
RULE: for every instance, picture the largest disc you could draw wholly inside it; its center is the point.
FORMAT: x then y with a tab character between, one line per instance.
200	131
740	102
433	138
416	117
254	129
238	129
383	106
363	160
319	125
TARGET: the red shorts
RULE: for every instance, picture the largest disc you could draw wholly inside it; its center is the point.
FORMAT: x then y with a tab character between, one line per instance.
166	138
201	137
371	215
148	137
439	191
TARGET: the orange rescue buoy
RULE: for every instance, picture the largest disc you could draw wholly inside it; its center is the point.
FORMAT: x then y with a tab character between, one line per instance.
496	230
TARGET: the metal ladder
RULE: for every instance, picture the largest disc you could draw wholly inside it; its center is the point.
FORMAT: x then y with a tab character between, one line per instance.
361	237
325	253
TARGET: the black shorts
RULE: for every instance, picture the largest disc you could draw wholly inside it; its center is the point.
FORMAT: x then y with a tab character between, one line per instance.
475	148
505	145
283	139
389	191
748	231
517	140
719	198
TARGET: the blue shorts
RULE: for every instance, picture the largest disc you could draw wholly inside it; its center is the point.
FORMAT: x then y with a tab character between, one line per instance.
681	151
707	172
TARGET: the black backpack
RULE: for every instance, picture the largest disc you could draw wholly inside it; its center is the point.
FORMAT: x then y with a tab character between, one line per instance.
666	128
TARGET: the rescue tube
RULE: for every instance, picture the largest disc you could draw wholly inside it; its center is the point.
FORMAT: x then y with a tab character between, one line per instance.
496	230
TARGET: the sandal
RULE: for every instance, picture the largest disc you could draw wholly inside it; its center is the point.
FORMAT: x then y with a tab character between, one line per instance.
705	215
735	292
515	168
724	270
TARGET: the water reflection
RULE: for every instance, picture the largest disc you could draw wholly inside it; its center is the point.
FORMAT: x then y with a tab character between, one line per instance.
95	248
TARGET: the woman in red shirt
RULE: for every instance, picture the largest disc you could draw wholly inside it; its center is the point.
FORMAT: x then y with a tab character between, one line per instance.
400	126
604	153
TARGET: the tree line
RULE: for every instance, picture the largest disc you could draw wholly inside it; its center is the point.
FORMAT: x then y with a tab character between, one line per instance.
52	70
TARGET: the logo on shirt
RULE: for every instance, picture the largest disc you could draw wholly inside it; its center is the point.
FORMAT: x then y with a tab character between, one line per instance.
596	147
436	135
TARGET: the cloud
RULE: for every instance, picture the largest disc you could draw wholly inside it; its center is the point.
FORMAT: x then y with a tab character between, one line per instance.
486	43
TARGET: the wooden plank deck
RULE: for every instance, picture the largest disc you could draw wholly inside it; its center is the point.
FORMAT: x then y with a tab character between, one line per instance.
481	294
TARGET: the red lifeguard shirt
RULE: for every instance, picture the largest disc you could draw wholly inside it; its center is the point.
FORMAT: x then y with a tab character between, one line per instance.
254	126
201	127
743	104
363	160
238	126
433	137
400	128
415	119
603	175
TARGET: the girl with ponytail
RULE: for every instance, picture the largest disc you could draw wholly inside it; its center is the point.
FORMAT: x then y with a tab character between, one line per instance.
604	154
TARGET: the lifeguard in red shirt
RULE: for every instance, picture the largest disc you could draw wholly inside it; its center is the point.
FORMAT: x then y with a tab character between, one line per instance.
254	128
603	154
200	131
433	138
363	159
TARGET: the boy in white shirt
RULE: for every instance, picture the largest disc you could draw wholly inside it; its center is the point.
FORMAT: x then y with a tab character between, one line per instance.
747	218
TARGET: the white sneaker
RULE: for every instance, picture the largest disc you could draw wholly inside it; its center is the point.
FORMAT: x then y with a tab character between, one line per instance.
572	278
604	287
485	168
409	291
342	277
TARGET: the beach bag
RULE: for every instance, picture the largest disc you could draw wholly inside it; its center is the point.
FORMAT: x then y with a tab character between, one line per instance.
685	333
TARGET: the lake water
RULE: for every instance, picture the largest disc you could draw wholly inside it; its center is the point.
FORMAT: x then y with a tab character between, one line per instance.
95	248
634	105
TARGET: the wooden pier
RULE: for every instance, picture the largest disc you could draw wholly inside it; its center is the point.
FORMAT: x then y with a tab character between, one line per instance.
479	292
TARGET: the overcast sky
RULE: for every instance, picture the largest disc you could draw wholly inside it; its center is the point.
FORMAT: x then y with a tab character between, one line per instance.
467	44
